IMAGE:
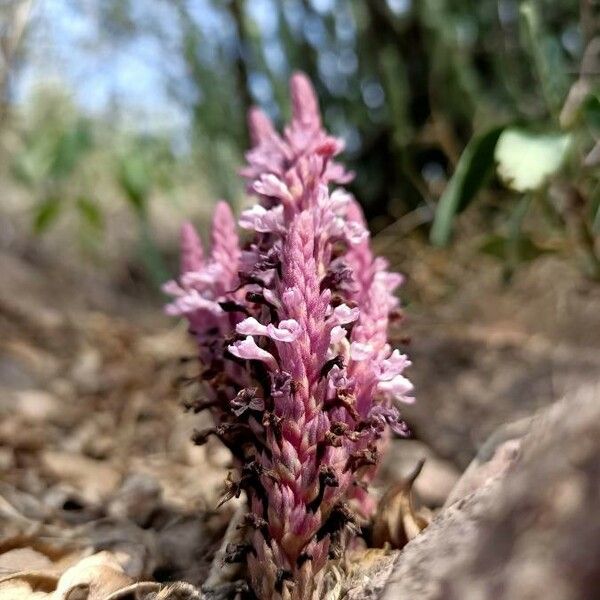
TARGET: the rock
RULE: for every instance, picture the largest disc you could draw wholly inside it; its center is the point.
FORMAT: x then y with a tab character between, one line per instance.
541	536
94	480
96	576
532	532
21	559
470	380
138	498
440	550
494	458
36	405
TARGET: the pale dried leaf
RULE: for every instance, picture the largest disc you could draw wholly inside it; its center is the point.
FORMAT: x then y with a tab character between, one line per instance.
19	589
21	559
99	574
94	479
178	591
27	585
397	521
141	589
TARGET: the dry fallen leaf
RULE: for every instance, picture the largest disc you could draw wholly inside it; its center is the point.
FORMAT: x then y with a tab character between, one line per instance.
140	590
98	576
94	479
20	589
177	591
27	585
397	521
20	559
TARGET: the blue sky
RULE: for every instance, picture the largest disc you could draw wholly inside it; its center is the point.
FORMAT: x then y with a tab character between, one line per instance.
64	47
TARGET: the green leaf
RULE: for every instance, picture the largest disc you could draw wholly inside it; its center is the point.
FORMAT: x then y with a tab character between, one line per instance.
516	238
591	113
151	257
498	246
526	160
46	214
134	178
494	245
33	164
596	212
90	213
474	166
547	55
70	147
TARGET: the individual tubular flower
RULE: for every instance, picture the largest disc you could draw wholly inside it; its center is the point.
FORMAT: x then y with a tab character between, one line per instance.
292	334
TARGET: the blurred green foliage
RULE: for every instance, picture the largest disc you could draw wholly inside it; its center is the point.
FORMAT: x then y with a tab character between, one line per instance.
55	142
481	105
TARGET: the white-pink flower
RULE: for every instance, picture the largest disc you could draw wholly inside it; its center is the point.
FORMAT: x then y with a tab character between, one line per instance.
288	330
343	314
338	333
391	381
271	185
190	302
249	350
360	351
258	218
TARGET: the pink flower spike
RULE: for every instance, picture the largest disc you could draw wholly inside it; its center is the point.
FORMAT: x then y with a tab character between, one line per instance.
225	247
260	126
248	350
192	254
296	365
305	107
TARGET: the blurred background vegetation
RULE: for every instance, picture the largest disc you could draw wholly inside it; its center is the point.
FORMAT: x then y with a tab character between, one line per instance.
469	123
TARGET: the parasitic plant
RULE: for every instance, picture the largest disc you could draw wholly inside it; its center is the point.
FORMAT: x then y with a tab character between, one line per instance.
292	328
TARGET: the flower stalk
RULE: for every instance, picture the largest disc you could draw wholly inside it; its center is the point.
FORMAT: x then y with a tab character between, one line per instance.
291	328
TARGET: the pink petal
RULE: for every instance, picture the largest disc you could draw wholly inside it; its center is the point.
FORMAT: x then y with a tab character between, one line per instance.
355	233
251	326
398	387
248	350
192	254
191	302
288	330
343	315
394	365
262	220
338	334
260	126
305	108
270	185
360	351
172	288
